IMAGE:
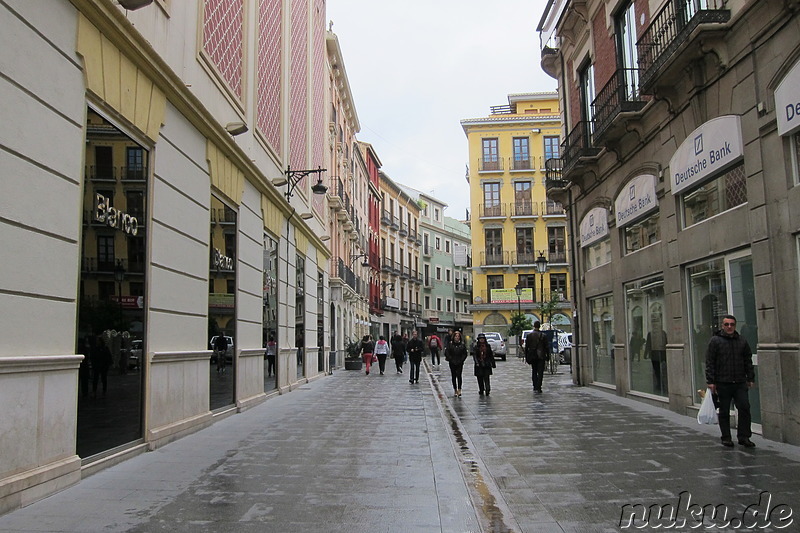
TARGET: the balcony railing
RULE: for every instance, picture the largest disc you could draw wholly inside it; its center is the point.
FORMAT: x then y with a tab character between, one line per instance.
671	28
620	95
550	207
134	173
427	249
386	265
493	164
557	257
552	176
403	229
523	258
578	144
386	218
415	309
521	163
494	258
493	210
525	208
464	288
102	172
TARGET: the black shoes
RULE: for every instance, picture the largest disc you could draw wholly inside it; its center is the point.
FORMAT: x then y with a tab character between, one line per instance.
727	442
747	443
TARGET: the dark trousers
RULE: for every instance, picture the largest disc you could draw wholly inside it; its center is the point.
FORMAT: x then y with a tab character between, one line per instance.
537	373
484	383
398	362
413	372
738	393
455	374
100	374
435	359
382	361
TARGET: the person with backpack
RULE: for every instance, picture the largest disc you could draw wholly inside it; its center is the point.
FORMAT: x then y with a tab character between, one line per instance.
434	345
537	351
382	351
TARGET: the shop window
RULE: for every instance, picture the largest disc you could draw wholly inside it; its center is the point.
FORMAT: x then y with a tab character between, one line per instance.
602	311
597	254
647	338
300	314
720	286
111	314
643	233
714	197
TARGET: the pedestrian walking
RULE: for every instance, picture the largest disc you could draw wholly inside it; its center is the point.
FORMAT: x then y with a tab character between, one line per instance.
730	375
483	357
398	351
101	362
221	349
455	354
382	351
367	350
414	348
434	345
537	349
272	349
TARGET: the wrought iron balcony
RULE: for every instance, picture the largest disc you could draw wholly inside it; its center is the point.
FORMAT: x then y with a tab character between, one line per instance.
553	178
498	258
491	164
523	258
620	95
671	28
525	208
551	208
493	210
578	144
521	163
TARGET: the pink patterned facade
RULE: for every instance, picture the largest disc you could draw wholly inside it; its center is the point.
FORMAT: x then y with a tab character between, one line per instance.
317	83
270	46
298	86
223	22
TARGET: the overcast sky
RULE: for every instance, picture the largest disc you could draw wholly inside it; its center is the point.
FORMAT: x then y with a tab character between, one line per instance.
417	67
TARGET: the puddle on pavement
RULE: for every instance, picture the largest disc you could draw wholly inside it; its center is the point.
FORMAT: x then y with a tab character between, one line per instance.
489	513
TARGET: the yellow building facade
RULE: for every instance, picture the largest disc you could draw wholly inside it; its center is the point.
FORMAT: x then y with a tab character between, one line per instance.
519	236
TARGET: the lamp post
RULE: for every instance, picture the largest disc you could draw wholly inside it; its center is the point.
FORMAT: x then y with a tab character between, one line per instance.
541	268
519	293
119	277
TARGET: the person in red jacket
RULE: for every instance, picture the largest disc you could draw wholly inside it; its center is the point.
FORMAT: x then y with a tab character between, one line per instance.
434	345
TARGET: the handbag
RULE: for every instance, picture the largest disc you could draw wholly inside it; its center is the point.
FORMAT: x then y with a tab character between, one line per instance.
707	413
374	358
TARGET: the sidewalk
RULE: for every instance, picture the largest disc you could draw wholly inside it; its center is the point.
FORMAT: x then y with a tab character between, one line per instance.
356	453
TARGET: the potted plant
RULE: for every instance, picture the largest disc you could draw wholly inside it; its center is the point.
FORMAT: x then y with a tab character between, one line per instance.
352	359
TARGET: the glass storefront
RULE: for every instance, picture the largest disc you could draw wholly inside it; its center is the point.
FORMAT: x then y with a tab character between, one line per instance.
270	312
602	309
222	304
111	332
300	315
647	339
720	286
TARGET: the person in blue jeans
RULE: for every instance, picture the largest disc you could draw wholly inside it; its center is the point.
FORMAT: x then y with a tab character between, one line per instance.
730	375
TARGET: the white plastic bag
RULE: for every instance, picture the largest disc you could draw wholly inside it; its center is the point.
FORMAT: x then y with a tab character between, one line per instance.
707	413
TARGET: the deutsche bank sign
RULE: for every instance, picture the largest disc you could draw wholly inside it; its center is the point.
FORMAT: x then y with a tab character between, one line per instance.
787	102
709	149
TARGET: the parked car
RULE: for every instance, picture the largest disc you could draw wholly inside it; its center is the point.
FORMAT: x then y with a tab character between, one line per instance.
228	352
497	343
135	355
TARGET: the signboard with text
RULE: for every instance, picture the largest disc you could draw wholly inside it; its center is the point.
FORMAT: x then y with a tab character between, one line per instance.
594	226
787	102
711	148
637	199
508	296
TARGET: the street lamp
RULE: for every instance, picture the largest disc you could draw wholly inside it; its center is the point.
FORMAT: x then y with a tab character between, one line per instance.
541	268
293	177
519	293
119	277
364	263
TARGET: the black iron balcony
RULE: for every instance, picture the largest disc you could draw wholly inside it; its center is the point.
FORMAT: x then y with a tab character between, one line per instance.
671	28
497	258
552	208
620	95
521	163
490	164
553	178
557	257
524	258
134	173
578	144
525	208
492	210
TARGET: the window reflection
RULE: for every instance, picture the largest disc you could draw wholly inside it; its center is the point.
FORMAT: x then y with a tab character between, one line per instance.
222	304
270	312
111	299
602	310
647	339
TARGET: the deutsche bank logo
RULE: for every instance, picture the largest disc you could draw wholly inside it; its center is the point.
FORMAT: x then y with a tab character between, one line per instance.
632	192
698	144
591	220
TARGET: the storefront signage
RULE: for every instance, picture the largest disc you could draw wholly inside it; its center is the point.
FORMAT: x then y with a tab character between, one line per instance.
787	102
594	226
507	296
709	149
113	217
222	261
637	198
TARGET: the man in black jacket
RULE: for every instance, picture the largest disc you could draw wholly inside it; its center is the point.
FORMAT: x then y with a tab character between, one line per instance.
537	349
414	348
729	375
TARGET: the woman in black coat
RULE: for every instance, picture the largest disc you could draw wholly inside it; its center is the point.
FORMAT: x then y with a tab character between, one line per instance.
456	354
483	357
